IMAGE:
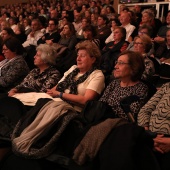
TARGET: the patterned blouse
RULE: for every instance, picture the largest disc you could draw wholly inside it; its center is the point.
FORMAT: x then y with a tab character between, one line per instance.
12	72
156	112
114	93
149	69
40	82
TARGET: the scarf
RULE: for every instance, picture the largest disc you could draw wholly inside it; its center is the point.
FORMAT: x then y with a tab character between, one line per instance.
70	83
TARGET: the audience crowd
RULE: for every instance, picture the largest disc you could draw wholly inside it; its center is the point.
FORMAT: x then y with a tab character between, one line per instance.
60	55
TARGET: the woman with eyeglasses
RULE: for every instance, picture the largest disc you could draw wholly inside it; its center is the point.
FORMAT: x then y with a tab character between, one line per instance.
127	72
13	68
143	44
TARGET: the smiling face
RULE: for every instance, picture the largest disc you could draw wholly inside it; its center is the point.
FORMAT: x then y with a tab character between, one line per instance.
84	61
122	69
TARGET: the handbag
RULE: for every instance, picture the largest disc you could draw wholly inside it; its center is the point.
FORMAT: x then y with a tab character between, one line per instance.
96	111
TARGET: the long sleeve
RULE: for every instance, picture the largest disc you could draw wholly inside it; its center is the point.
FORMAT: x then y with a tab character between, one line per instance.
147	110
13	72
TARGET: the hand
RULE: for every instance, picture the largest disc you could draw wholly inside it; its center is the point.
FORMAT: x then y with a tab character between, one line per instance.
32	34
159	39
49	42
52	92
12	92
162	144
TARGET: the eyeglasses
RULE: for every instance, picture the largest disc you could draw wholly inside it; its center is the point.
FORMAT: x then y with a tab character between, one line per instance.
5	49
142	32
120	63
138	43
51	24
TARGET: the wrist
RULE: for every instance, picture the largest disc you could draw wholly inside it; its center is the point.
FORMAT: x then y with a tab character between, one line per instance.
61	95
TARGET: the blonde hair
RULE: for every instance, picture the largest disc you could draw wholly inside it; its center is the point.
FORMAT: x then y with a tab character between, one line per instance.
91	49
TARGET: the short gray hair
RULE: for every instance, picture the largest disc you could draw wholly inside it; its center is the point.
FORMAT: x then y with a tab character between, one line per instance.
149	12
47	53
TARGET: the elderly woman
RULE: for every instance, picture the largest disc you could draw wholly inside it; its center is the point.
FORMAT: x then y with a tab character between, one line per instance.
128	71
82	82
43	77
89	81
143	44
112	49
154	116
148	18
14	68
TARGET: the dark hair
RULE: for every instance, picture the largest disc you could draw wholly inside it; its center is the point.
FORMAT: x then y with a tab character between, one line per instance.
123	31
136	62
116	21
71	27
90	28
14	45
9	31
104	17
54	20
148	27
28	21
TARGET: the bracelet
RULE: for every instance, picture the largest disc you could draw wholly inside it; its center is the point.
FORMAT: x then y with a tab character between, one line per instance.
61	95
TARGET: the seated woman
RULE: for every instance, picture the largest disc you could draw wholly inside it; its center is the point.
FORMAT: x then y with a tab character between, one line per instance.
82	82
68	37
113	49
89	33
6	33
128	71
89	80
154	116
43	77
143	44
14	68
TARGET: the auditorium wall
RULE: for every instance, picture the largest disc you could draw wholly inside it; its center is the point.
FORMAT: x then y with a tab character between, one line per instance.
3	2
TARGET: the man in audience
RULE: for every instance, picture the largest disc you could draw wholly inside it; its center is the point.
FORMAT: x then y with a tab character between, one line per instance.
125	21
52	35
103	31
34	35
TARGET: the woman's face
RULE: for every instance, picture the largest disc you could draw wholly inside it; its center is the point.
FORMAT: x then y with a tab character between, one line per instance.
8	53
87	34
3	25
84	22
4	35
122	69
114	24
145	18
66	30
139	46
117	35
37	59
84	61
